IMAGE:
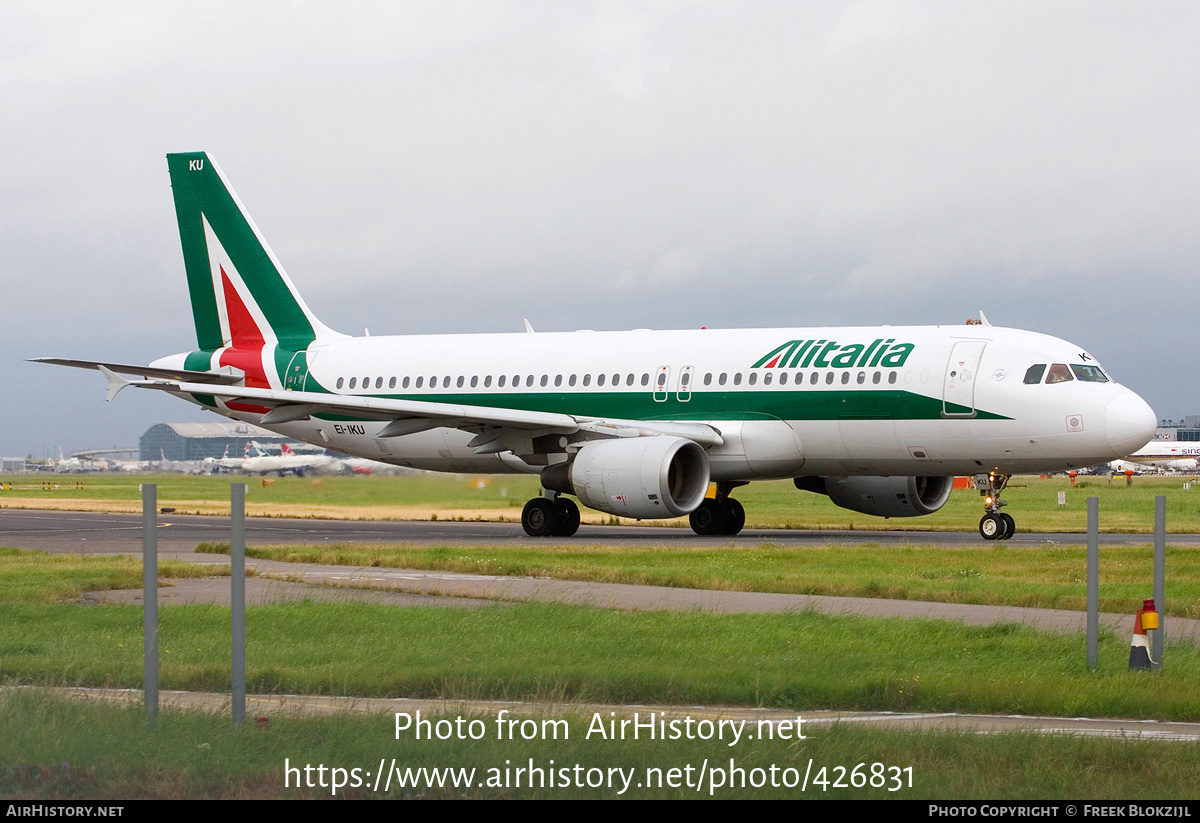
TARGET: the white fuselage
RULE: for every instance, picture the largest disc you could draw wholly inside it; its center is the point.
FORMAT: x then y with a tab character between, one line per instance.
877	401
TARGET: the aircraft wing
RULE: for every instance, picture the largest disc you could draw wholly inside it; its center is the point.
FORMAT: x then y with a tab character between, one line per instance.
412	416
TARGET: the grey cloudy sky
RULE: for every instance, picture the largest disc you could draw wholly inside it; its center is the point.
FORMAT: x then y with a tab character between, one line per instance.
455	166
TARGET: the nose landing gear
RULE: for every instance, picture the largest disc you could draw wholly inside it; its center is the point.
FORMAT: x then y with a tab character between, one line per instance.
995	524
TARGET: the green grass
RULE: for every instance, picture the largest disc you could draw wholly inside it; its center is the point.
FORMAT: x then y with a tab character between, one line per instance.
55	749
558	653
1047	576
1033	501
38	577
497	492
561	656
572	653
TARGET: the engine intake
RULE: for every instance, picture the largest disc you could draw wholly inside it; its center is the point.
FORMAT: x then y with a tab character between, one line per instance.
641	477
883	496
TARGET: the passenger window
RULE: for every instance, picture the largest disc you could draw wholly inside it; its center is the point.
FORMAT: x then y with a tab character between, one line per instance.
587	380
708	378
891	377
529	381
645	379
753	378
767	379
460	381
557	380
340	381
1059	373
353	382
420	380
1034	375
571	380
875	378
721	379
813	380
629	380
474	380
845	377
404	383
392	383
829	378
862	377
662	379
737	379
545	379
600	378
783	378
500	381
487	382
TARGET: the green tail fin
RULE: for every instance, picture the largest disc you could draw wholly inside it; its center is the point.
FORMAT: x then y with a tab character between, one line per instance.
239	291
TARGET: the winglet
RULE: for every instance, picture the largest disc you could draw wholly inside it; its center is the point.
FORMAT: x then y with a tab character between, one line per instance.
528	328
983	321
115	382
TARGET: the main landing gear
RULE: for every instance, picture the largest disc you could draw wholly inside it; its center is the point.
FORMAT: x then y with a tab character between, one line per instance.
995	525
550	516
720	515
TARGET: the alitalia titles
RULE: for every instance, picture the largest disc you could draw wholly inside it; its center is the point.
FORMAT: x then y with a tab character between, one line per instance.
803	354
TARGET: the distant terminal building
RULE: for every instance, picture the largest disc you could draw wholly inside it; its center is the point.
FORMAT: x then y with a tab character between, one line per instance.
12	465
196	441
1185	430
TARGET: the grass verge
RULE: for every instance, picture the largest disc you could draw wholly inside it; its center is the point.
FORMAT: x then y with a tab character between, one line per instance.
58	749
769	504
998	574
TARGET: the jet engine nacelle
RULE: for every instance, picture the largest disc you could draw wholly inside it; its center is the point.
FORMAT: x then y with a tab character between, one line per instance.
639	477
883	496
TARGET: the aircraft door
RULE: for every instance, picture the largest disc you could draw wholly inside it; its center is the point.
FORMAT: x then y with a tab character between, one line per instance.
958	394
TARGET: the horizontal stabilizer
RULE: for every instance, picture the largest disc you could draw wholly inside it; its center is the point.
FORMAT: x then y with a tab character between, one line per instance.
226	376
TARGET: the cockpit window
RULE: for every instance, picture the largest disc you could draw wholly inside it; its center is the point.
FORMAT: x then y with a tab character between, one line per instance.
1059	373
1034	375
1089	374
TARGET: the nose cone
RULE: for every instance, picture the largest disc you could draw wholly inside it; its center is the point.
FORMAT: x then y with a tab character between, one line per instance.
1129	423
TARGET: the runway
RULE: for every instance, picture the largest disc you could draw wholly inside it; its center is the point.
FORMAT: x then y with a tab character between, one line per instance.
107	533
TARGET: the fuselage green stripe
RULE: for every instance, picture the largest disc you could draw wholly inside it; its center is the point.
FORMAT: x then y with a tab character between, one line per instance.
885	404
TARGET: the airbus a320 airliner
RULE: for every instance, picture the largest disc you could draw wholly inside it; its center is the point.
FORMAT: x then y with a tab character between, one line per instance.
640	424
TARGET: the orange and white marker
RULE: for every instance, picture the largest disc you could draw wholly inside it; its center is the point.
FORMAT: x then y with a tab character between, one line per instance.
1139	646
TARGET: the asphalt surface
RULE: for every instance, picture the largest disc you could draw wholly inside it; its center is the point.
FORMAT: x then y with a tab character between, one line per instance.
108	532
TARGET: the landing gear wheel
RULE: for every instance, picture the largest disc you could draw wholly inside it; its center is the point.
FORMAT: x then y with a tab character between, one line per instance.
992	527
540	517
995	525
568	517
1010	525
709	518
735	517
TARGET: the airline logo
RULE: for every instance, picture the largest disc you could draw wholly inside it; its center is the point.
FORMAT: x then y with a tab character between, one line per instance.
831	354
